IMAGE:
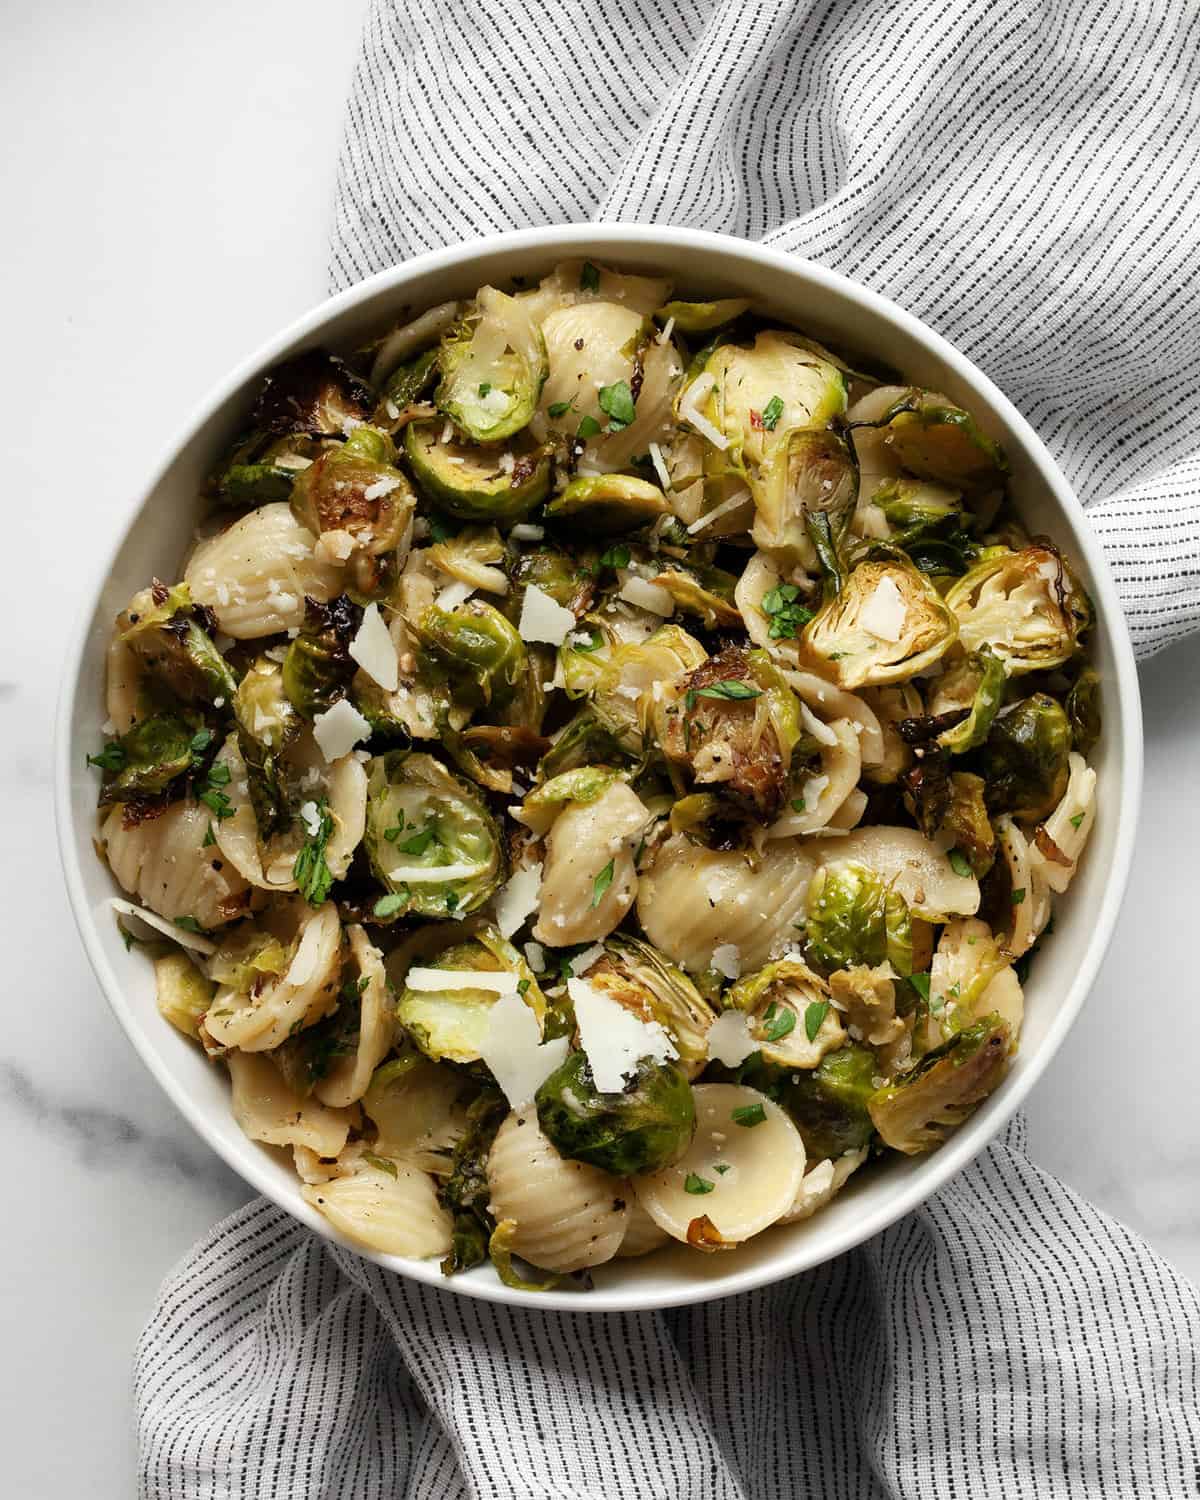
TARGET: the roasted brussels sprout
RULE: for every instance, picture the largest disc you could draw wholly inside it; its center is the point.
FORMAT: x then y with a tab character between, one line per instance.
812	473
160	627
705	592
406	384
1024	759
318	666
829	1103
583	740
907	502
605	503
451	1024
1026	606
791	1018
1083	711
465	1192
557	574
733	722
493	365
476	484
934	439
886	624
965	821
918	1110
976	683
153	754
854	916
267	722
646	1126
643	981
702	317
315	393
473	555
619	679
478	650
430	839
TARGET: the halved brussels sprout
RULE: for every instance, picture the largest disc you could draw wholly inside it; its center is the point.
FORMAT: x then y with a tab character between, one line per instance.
918	1110
966	823
182	993
429	838
473	555
646	1126
476	484
1025	758
1083	711
451	1024
626	673
934	439
811	472
545	802
583	740
854	916
159	626
638	976
267	722
977	684
829	1104
315	393
704	592
791	1018
733	722
1026	607
156	751
493	365
405	385
606	503
909	502
318	666
556	573
702	317
489	753
477	648
886	624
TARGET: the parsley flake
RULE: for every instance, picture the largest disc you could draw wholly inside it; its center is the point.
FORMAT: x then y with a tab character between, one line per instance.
601	883
920	983
484	387
694	1184
1076	820
559	408
749	1115
201	740
733	690
311	873
787	617
615	557
798	804
217	803
189	924
380	1163
210	838
419	841
616	402
588	428
959	862
772	412
589	278
111	758
779	1021
814	1017
1018	895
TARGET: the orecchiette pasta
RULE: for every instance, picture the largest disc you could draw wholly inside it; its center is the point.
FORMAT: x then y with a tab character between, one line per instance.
601	789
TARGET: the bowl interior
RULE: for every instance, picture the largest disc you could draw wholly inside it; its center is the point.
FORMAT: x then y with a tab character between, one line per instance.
827	307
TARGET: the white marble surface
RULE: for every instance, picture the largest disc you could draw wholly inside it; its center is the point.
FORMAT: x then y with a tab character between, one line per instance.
167	184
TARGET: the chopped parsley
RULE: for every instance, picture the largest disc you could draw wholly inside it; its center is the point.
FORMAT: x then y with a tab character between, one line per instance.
380	1163
615	557
772	412
419	841
312	875
210	838
798	804
722	1167
1076	820
219	775
616	402
920	983
601	883
814	1017
559	408
779	1021
1018	895
959	862
451	900
201	740
189	924
749	1115
111	758
485	387
694	1184
588	428
589	278
522	987
733	690
389	905
786	616
217	803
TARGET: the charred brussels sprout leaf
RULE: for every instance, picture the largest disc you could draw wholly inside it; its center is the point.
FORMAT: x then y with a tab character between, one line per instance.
637	976
318	666
1026	607
918	1110
476	484
1083	711
648	1125
465	1192
608	503
160	627
885	624
704	592
492	365
477	648
966	822
458	866
906	503
450	1024
155	752
812	473
702	317
408	381
1024	760
313	393
582	741
854	917
556	573
977	684
934	439
266	722
829	1104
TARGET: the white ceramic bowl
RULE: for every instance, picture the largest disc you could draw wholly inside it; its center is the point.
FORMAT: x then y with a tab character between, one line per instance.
825	305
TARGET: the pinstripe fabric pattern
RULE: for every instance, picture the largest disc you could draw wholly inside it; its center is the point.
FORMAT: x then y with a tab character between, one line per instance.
1005	168
1021	174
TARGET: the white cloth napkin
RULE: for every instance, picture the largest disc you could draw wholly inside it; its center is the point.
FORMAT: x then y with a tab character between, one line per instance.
1023	176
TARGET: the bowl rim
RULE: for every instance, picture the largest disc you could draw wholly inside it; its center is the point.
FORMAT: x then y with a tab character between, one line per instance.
971	1138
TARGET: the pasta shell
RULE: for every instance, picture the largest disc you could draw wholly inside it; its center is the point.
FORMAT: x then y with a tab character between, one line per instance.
163	862
349	1077
582	898
268	1110
642	1234
392	1208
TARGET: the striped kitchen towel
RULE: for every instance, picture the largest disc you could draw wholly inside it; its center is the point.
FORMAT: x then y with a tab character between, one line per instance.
1022	174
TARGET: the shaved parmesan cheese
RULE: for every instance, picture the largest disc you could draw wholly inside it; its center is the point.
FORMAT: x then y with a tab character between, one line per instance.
333	546
496	401
648	596
526	531
582	962
454	594
813	788
518	899
819	730
884	612
718	511
660	468
339	729
729	1039
442	980
311	819
381	487
727	960
514	1051
665	336
698	391
614	1039
375	651
193	940
535	957
544	619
